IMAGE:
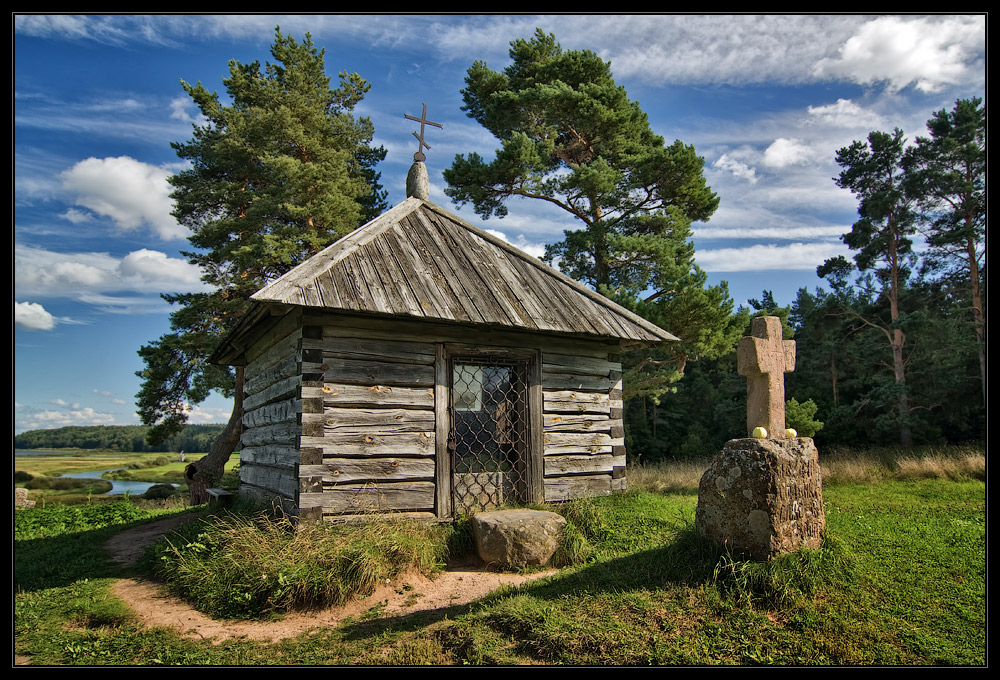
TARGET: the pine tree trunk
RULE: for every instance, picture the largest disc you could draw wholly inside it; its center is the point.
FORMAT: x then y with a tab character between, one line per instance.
977	310
206	472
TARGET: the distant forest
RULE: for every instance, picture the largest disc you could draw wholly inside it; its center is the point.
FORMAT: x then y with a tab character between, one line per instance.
127	438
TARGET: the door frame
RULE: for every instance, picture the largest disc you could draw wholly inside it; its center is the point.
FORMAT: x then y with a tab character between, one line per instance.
442	409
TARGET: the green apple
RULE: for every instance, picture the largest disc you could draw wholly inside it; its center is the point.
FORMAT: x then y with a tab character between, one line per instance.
759	433
791	434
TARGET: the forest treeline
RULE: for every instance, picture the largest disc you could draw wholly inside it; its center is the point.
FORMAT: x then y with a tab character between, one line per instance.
125	438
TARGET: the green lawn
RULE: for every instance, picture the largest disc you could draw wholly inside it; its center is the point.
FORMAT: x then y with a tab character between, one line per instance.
901	580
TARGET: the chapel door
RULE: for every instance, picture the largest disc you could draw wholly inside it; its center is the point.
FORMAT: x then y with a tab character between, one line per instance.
489	438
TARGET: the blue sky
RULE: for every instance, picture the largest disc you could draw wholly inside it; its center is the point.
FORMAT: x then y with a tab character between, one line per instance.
766	100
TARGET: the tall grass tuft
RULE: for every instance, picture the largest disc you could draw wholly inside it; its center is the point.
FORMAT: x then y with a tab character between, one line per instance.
680	476
876	464
252	566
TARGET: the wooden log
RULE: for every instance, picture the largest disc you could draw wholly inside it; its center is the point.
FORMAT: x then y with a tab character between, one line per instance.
568	488
424	516
577	365
257	381
279	480
557	439
286	387
363	498
378	470
588	383
342	394
371	349
557	466
371	421
569	401
400	329
272	414
367	444
568	422
282	337
270	454
372	372
285	433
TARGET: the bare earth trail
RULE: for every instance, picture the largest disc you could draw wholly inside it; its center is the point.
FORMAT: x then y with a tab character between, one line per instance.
406	595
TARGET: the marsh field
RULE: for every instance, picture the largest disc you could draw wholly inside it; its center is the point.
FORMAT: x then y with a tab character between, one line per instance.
901	580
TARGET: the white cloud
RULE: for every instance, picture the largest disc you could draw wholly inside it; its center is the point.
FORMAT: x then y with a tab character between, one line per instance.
928	53
845	114
77	416
799	256
786	233
32	316
130	192
87	276
784	152
179	107
738	168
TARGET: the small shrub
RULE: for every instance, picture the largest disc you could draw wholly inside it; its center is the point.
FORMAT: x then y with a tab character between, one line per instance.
20	476
159	492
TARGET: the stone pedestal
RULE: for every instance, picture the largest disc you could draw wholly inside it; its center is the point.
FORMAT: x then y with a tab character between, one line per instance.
763	497
516	538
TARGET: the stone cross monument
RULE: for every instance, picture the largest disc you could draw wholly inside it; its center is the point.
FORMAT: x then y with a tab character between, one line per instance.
764	358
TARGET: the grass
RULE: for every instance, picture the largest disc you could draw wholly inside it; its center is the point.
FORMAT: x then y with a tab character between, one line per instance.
900	581
243	566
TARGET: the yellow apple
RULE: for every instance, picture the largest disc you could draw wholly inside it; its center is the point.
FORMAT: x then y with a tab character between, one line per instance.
759	433
791	434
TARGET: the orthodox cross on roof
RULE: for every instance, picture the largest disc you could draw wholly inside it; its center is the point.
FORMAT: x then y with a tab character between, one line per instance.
764	358
419	155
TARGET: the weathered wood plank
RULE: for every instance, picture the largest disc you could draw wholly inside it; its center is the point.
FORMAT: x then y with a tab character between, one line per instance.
258	381
578	464
345	470
443	257
280	480
566	422
582	486
270	454
371	349
442	427
272	414
564	363
555	439
372	420
368	444
372	372
360	498
277	340
285	433
569	401
424	516
342	394
590	383
430	331
285	387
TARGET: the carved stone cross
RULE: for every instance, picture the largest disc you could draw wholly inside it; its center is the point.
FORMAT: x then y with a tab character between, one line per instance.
764	358
419	155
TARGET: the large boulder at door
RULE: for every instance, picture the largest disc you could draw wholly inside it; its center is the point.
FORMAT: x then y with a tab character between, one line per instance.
762	497
516	538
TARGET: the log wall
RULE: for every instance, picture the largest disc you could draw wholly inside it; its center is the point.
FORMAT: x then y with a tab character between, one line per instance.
340	416
368	424
269	448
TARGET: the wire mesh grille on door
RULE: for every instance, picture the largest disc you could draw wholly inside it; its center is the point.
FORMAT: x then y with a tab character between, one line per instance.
489	434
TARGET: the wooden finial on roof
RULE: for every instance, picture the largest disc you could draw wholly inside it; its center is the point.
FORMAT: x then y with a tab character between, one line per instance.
419	155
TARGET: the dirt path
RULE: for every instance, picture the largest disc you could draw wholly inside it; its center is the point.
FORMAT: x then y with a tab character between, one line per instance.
406	595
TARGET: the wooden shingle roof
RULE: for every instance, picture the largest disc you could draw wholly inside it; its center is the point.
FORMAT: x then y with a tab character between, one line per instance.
417	260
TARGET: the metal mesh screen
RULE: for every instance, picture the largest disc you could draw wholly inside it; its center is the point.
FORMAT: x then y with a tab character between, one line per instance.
489	436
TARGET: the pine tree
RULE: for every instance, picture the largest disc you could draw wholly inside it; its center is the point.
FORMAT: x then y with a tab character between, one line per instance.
277	175
948	177
571	137
873	170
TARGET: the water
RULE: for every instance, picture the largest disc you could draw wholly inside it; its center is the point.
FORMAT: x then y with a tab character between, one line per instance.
118	487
